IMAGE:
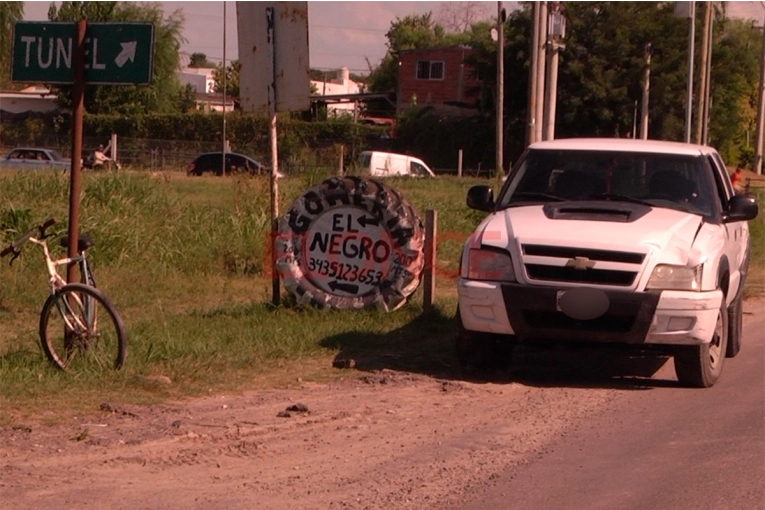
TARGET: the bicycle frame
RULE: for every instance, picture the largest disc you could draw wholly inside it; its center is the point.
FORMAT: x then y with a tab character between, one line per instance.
56	282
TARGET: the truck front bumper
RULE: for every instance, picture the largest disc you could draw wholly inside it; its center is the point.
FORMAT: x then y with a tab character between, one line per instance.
532	313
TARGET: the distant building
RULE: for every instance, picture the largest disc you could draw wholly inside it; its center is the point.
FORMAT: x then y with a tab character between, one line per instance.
201	78
30	99
436	76
336	91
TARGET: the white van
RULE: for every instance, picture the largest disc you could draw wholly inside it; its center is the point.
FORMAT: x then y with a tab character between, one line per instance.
387	164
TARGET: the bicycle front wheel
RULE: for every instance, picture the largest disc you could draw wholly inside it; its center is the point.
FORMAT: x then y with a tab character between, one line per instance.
80	329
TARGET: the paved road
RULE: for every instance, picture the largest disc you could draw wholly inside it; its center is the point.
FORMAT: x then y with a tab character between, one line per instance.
664	448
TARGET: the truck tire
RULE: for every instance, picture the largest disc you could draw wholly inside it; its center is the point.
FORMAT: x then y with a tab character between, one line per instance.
735	326
366	239
700	366
477	350
736	311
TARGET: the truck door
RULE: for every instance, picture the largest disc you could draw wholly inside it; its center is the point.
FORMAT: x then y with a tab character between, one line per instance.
736	232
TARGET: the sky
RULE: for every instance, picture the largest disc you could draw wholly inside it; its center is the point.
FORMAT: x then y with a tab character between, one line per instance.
340	34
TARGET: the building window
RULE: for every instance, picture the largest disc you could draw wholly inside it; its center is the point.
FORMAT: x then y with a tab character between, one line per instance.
430	69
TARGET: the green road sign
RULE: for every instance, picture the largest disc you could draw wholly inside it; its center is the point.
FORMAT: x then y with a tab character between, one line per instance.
115	53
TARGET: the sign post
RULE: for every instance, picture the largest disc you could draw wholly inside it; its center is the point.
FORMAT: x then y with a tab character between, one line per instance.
78	54
78	107
274	77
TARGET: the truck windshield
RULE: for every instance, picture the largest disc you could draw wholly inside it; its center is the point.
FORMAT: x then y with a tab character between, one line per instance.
660	180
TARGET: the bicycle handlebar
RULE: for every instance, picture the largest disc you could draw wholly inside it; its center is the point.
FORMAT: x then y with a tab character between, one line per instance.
39	229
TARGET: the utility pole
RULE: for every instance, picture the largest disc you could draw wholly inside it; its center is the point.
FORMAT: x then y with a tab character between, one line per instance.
702	95
533	75
688	10
500	84
757	167
708	77
556	29
223	158
646	86
542	58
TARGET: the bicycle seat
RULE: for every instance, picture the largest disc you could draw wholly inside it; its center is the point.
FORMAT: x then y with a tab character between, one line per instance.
83	243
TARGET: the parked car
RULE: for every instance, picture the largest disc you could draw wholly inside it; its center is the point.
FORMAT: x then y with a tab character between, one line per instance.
388	164
30	158
235	163
605	240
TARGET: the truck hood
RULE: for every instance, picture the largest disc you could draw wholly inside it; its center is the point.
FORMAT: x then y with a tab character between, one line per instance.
667	233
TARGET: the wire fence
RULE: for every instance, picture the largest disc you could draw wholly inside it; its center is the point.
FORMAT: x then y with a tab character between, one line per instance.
176	155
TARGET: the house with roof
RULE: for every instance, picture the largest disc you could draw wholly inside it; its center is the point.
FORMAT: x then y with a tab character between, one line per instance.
436	76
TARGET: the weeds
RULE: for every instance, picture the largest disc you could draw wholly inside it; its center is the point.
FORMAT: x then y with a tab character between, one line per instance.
183	259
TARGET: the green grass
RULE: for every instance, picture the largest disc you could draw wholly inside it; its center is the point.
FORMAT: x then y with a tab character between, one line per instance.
755	284
183	260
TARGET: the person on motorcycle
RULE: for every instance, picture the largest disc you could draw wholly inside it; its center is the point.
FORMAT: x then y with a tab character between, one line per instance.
100	159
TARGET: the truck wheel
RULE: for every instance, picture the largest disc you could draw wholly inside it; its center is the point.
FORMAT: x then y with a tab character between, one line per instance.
700	366
476	350
735	326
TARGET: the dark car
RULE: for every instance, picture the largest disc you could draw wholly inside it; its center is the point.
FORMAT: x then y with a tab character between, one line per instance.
235	163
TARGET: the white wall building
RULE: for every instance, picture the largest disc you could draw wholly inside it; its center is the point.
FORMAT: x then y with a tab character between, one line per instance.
341	84
201	78
30	99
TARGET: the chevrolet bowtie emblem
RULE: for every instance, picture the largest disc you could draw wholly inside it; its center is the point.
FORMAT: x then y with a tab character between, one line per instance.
580	263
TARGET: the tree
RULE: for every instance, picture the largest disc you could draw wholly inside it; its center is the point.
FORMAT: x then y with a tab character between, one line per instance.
602	67
200	60
735	79
10	12
458	17
232	80
412	32
165	94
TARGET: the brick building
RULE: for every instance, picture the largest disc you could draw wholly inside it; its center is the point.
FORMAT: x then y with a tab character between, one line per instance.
436	76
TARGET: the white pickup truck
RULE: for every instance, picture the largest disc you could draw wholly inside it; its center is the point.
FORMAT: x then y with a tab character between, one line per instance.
609	240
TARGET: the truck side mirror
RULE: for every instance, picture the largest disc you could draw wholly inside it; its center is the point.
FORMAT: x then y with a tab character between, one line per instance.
481	198
741	208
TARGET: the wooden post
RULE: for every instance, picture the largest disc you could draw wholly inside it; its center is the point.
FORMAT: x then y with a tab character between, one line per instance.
431	228
78	108
459	164
272	97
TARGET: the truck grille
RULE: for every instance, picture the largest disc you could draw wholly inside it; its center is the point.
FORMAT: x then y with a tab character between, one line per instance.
560	272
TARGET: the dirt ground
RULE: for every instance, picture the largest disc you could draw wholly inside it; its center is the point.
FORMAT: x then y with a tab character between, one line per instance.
380	439
375	439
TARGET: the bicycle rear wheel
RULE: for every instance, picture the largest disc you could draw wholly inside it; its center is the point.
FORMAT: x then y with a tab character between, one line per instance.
80	329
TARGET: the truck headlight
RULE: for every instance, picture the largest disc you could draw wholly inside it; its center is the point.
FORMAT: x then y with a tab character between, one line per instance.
487	264
671	277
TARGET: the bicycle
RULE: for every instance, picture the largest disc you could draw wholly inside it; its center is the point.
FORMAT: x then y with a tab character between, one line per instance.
78	340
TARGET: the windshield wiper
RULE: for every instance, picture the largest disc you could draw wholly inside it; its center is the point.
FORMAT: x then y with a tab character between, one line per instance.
621	198
535	195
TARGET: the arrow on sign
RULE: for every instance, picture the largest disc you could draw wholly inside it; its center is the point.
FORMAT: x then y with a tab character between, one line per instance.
345	287
364	221
127	53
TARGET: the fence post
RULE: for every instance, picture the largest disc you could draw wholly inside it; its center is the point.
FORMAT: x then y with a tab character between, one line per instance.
276	296
459	164
431	228
114	148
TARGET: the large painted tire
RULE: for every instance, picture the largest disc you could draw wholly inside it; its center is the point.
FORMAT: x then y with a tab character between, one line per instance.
349	243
